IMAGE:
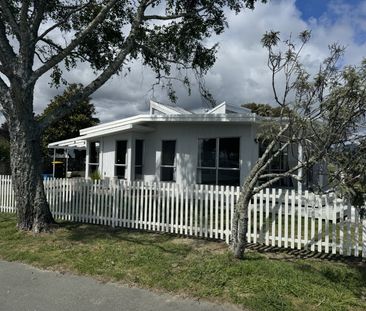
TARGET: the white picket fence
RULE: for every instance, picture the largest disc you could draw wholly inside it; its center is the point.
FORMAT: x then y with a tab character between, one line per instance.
277	217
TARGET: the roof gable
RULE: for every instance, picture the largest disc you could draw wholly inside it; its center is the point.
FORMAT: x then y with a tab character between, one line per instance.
163	109
225	108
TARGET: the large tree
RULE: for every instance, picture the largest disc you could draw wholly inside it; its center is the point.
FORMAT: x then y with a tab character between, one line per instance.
318	117
166	35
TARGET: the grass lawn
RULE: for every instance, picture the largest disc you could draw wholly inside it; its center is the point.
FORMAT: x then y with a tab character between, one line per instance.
201	269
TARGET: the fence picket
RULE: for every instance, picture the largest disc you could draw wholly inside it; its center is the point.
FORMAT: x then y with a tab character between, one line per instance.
255	218
206	211
273	219
267	216
286	218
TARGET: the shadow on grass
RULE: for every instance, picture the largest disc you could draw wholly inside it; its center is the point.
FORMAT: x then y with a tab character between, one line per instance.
291	254
89	233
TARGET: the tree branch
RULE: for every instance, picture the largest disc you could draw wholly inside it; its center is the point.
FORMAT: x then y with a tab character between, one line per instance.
74	43
53	27
9	17
170	17
112	68
7	54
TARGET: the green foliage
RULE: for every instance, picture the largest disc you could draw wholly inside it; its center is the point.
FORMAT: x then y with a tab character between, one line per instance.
265	110
177	44
82	116
95	175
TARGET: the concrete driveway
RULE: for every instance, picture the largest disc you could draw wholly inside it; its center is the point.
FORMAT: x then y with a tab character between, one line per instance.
25	288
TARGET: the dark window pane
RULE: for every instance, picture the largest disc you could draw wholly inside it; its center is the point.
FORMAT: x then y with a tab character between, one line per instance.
138	151
207	176
168	152
121	172
167	174
229	177
94	152
229	152
138	172
121	150
207	152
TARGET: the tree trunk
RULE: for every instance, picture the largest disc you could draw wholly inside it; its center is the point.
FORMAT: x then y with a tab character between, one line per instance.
33	211
240	225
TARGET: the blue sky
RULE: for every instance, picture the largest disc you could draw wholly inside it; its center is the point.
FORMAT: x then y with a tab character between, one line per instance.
240	74
334	11
312	8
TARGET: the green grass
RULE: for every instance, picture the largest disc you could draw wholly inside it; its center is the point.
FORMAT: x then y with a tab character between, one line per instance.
202	269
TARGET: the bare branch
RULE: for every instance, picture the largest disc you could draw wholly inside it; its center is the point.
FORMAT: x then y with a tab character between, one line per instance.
280	175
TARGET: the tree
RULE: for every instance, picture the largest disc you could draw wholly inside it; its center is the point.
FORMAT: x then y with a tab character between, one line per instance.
265	110
321	114
166	35
82	116
4	149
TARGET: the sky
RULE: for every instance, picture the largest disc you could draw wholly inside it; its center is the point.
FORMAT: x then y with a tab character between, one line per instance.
240	74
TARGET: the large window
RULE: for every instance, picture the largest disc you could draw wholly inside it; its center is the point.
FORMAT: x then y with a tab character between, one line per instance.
167	169
139	150
94	149
218	161
121	159
278	165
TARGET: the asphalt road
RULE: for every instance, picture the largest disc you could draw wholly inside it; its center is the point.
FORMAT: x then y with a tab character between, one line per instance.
25	288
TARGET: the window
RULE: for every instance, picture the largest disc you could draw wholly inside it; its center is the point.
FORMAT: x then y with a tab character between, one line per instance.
139	149
218	161
167	169
121	159
278	165
94	148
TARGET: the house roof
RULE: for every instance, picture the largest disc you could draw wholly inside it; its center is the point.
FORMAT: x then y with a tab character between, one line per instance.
223	113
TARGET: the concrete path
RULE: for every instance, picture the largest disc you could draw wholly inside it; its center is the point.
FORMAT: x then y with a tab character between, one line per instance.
25	288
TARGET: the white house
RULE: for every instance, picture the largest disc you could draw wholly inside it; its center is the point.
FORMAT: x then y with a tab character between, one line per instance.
172	144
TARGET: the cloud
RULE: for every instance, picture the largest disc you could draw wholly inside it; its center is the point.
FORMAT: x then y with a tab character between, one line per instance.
240	74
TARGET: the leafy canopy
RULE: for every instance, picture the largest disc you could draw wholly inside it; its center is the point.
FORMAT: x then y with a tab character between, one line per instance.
82	116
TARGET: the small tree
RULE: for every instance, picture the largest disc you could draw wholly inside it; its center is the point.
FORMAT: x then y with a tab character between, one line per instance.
108	34
320	113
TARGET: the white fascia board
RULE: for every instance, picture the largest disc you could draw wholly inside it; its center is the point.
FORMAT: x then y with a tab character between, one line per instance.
203	118
77	143
114	124
122	125
119	129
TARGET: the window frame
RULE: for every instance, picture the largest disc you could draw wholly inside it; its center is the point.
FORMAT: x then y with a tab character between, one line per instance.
174	166
116	165
217	168
93	164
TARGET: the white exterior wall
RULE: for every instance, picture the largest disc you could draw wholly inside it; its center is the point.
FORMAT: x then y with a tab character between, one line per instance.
186	136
